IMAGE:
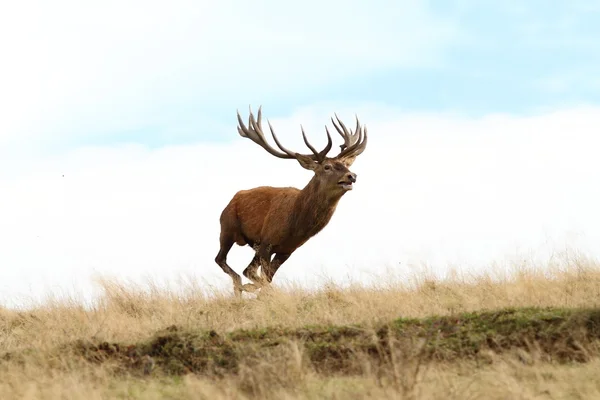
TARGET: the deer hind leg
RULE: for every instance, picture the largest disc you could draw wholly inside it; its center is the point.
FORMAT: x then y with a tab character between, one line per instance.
221	260
251	273
270	271
274	265
262	258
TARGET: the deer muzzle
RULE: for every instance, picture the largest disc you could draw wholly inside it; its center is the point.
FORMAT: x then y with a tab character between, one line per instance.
346	184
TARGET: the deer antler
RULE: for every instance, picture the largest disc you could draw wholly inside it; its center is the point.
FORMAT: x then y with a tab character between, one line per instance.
354	142
255	133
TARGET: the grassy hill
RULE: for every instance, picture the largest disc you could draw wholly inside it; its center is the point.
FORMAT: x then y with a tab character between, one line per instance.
532	334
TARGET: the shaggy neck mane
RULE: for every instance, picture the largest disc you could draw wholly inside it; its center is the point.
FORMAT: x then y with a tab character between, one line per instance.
312	210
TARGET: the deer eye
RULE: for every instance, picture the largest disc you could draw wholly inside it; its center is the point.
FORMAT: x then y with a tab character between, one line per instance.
327	167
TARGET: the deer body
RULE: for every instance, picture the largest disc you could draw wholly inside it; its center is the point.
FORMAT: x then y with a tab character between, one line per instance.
275	221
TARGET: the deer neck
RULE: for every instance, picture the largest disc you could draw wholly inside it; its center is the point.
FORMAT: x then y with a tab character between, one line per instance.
313	209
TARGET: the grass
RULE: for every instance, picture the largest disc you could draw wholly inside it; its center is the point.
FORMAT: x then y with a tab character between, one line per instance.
534	333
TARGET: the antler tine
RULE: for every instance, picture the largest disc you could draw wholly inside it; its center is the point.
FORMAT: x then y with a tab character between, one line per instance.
324	152
354	142
307	143
254	133
319	156
338	128
363	144
358	147
288	152
349	138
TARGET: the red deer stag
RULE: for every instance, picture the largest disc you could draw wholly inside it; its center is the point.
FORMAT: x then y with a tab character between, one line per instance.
278	220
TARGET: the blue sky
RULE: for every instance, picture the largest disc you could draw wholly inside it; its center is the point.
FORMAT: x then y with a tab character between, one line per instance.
512	57
160	75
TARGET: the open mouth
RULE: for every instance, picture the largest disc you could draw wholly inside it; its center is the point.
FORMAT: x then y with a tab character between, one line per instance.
345	185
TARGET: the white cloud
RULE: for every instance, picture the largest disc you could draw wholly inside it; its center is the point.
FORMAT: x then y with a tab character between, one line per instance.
71	68
437	189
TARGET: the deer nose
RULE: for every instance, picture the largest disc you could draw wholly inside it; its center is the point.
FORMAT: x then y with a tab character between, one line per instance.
352	177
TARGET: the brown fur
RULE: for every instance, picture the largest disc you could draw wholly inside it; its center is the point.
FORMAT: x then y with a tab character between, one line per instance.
275	221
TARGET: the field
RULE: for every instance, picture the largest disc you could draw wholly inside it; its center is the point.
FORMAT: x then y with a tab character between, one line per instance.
526	333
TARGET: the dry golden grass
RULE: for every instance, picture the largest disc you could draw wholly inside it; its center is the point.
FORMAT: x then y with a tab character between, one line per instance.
126	314
505	379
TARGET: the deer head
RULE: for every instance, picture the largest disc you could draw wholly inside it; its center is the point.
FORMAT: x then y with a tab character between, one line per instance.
332	175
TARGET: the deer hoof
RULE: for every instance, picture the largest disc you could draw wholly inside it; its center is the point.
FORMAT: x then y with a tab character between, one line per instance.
250	287
237	291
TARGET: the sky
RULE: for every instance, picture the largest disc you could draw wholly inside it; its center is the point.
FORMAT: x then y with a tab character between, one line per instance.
119	148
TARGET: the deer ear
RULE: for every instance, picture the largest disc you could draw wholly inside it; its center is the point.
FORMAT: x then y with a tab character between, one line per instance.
306	162
348	161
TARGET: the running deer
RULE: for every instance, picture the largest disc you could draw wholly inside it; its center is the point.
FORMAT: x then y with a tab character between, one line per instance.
278	220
